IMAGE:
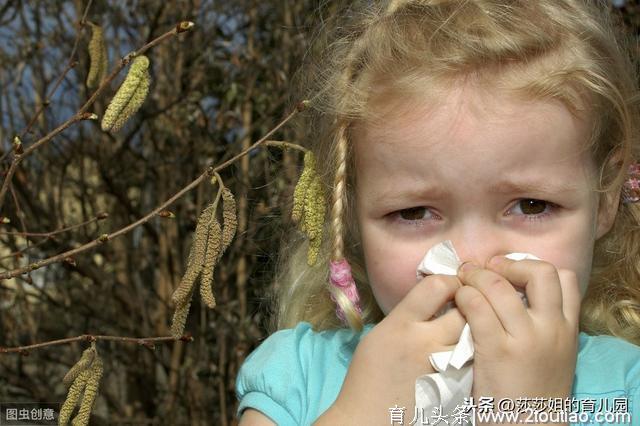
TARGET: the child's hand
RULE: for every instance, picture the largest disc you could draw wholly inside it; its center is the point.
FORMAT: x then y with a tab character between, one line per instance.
395	352
520	351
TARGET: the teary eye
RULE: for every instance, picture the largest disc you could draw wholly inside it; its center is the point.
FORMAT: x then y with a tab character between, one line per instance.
526	209
414	213
532	207
534	210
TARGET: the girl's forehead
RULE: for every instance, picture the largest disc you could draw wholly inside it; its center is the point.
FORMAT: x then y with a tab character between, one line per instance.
388	95
466	133
463	110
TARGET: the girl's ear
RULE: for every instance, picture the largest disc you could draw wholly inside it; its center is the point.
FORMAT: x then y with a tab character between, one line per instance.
608	203
607	211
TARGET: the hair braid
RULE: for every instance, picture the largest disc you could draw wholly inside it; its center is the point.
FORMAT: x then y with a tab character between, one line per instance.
339	190
342	285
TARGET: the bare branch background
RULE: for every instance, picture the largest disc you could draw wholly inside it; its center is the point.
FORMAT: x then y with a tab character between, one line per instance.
214	91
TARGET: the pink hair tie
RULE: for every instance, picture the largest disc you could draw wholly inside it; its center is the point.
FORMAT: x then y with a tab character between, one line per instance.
342	279
631	187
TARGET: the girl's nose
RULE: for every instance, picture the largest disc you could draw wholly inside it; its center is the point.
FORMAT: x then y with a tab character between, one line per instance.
479	245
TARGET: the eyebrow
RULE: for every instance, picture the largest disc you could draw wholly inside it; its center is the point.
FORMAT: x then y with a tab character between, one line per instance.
503	187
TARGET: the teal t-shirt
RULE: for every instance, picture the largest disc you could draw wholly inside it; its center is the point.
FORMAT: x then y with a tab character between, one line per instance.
296	374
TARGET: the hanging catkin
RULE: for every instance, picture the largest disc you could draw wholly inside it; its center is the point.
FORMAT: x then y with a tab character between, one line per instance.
85	360
134	103
229	219
213	250
90	393
315	207
179	319
204	238
85	374
129	96
309	207
196	257
209	243
98	59
302	186
73	396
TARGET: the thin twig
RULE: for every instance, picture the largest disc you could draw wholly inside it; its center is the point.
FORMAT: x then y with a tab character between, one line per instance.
146	341
219	179
100	216
22	251
19	212
285	145
47	100
47	235
81	113
106	237
71	63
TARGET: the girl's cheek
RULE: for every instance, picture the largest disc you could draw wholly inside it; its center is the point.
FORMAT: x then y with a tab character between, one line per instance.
391	265
392	283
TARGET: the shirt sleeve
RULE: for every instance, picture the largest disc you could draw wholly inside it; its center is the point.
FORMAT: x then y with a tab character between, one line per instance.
272	379
608	379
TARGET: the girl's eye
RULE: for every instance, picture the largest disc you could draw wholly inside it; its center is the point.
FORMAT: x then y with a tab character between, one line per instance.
531	210
413	214
534	210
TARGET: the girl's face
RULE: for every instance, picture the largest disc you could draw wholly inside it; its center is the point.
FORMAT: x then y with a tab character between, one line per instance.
490	173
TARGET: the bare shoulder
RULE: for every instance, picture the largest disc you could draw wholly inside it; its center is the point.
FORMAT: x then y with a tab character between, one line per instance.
251	417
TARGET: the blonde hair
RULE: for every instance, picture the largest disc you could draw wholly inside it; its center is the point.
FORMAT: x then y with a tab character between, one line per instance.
567	50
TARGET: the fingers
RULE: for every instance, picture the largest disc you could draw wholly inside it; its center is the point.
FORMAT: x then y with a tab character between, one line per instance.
571	297
539	279
482	319
449	326
493	304
427	297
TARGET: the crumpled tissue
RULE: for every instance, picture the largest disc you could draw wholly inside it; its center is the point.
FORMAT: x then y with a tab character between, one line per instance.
448	387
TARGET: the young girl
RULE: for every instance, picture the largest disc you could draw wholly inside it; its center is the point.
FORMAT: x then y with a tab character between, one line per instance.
503	126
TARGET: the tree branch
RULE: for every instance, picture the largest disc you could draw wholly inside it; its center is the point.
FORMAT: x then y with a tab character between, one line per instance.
80	114
146	341
210	171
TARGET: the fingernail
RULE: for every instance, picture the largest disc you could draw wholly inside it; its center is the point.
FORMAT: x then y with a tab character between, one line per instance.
496	260
468	266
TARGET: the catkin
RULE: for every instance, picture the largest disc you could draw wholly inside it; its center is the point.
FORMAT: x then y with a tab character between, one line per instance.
134	103
75	391
179	319
196	257
98	59
210	241
129	96
85	360
229	219
90	393
309	207
300	191
213	250
315	207
313	251
186	285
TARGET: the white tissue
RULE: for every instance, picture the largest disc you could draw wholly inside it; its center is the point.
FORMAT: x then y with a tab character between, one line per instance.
452	381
